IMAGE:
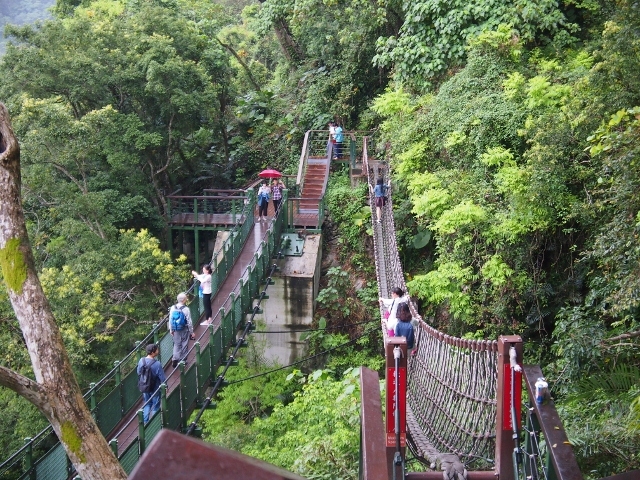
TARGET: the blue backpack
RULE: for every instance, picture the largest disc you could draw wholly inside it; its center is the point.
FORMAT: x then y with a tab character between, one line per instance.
178	319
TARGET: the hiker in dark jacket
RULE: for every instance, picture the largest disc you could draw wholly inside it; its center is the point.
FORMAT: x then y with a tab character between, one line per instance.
152	399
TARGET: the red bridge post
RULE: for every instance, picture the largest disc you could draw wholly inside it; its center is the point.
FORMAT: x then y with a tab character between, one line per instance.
396	447
505	441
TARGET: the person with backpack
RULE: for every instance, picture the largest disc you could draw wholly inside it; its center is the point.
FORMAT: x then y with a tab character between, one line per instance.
404	328
380	192
150	377
181	328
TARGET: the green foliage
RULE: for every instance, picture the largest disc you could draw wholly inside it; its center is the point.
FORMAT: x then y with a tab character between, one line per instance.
345	206
599	421
104	299
335	296
317	435
249	396
435	33
615	249
327	47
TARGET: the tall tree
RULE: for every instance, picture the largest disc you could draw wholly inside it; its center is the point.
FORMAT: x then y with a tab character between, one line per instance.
55	391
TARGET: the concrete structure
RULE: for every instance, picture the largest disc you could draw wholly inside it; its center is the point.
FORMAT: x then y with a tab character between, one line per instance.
291	303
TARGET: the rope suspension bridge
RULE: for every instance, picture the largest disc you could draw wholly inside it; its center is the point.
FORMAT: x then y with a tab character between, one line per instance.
463	397
459	412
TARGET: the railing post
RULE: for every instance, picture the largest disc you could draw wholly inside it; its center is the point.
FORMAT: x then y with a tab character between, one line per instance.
156	340
196	246
28	458
183	401
509	399
396	404
215	276
141	438
373	464
233	310
92	400
233	211
116	365
138	351
114	446
163	405
212	350
223	328
198	368
560	459
284	207
320	213
352	153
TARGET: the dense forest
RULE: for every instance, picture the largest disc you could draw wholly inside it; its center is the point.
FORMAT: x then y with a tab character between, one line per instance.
512	131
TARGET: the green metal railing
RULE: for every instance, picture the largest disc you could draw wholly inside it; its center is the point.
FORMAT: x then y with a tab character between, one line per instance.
193	380
112	398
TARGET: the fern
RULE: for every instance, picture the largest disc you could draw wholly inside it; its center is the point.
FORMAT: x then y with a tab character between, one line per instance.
618	380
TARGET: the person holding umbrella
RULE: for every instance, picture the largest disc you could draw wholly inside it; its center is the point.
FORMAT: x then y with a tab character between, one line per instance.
276	190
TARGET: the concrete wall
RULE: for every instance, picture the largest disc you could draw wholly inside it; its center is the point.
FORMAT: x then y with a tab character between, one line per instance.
291	303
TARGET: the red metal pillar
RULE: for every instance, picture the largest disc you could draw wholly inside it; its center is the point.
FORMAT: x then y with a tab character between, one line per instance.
505	441
396	379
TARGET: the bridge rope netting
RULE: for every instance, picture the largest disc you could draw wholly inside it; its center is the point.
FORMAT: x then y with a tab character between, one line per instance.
451	382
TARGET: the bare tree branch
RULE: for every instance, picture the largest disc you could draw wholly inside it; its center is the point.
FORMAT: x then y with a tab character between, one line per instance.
24	387
624	336
241	62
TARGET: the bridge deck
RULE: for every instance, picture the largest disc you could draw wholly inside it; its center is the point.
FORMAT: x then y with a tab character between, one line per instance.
128	427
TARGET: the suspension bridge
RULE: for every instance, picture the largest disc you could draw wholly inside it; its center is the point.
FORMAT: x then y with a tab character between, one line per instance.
461	407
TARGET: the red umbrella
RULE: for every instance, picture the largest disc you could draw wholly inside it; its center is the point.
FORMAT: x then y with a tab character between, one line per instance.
269	173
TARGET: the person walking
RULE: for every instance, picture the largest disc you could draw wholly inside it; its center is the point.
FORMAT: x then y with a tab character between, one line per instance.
338	136
276	190
380	192
391	304
181	328
404	328
150	366
263	200
205	290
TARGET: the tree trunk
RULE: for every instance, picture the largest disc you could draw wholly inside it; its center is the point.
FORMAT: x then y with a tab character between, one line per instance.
55	392
290	47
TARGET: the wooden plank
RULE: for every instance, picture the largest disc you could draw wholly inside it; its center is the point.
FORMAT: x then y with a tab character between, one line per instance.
372	443
560	450
172	456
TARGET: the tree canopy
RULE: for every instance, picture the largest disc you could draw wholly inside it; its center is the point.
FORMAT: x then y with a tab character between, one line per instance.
512	130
